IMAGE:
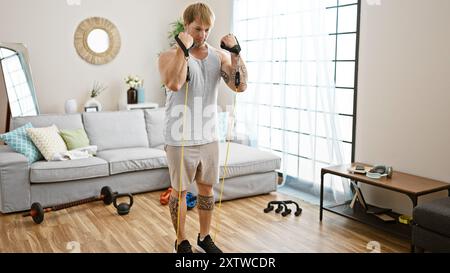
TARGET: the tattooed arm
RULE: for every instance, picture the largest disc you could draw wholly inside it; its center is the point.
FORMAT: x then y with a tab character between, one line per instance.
230	64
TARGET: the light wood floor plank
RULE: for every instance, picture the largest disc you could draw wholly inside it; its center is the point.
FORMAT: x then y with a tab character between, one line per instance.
244	227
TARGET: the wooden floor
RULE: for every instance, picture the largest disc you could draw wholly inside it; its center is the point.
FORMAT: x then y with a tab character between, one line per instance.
244	228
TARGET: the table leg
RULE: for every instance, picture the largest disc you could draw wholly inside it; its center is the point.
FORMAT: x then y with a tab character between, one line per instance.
448	192
322	174
414	200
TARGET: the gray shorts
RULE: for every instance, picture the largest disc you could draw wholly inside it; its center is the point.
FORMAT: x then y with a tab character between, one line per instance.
201	163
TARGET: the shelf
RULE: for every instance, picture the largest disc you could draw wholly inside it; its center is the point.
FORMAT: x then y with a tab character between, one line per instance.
360	215
148	105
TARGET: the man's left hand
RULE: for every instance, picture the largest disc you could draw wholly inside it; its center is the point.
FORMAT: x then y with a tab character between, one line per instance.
229	40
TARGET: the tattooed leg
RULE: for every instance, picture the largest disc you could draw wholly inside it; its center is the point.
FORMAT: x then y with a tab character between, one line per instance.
173	207
205	202
205	207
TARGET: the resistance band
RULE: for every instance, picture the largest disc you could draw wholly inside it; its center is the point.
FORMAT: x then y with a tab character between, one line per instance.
188	78
237	81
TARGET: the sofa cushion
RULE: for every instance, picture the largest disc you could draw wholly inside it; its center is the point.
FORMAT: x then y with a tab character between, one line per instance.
160	147
75	139
57	171
434	216
244	160
48	141
134	159
19	141
154	121
62	121
116	130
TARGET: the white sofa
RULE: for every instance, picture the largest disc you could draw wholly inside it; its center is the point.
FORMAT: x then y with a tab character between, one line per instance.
130	158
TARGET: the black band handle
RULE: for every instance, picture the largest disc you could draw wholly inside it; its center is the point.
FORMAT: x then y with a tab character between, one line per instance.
186	54
182	46
237	79
235	49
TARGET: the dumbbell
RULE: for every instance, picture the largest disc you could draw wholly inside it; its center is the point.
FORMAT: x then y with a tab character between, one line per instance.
37	211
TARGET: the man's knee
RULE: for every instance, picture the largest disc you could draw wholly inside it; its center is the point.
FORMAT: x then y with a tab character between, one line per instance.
176	194
204	189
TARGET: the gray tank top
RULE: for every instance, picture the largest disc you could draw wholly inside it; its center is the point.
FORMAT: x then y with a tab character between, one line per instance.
201	114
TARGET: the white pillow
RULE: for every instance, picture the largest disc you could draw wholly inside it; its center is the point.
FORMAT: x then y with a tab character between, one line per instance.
47	140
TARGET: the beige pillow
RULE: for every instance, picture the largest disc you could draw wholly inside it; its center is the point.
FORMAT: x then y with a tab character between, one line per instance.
47	140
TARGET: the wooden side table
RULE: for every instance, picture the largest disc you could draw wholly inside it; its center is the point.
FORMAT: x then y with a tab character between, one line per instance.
411	185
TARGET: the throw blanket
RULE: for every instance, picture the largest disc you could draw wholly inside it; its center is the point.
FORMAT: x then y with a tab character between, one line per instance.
79	153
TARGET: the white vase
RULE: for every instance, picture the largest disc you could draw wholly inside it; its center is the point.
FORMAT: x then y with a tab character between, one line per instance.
92	102
71	106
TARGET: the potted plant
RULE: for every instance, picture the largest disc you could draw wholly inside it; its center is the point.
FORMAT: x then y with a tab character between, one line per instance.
95	91
176	28
133	83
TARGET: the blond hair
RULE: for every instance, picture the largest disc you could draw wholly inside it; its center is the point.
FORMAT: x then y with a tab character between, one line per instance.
200	11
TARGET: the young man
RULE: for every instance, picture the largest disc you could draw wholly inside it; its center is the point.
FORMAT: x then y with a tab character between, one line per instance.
201	148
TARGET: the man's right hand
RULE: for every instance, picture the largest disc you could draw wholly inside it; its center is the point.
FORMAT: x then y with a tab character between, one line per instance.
187	39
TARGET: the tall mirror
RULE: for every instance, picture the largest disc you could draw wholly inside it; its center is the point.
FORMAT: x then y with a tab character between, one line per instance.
17	94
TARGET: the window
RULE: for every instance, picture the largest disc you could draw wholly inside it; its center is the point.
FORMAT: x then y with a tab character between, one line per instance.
302	60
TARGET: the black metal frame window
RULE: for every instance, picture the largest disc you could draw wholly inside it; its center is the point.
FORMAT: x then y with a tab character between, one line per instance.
286	125
347	13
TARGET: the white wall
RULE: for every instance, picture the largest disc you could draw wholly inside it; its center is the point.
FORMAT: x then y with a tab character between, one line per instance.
47	28
403	116
223	10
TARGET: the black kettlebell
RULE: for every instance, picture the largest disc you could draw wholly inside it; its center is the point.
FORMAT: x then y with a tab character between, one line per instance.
123	208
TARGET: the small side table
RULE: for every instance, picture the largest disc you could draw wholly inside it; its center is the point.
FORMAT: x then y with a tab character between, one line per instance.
147	105
411	185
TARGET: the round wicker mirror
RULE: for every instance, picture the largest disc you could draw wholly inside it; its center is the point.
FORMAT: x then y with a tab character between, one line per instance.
97	40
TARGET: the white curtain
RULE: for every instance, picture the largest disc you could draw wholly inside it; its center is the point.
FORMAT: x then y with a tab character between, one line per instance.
290	105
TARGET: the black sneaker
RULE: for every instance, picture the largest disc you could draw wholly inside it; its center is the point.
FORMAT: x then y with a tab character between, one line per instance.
184	247
207	245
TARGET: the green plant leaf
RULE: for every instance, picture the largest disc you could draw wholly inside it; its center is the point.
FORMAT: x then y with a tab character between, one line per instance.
176	28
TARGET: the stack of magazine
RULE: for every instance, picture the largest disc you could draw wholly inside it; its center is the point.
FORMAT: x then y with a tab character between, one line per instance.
376	211
359	169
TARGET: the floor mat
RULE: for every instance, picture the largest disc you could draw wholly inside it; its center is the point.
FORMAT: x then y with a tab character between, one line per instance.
293	189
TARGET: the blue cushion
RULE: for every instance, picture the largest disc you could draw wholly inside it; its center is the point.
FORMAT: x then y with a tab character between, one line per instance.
19	141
